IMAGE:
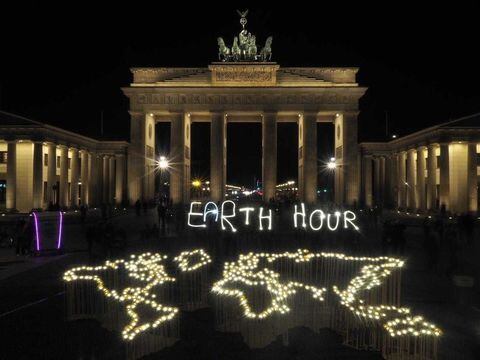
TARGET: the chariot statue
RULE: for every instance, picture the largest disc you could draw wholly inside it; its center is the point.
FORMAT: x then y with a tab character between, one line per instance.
244	47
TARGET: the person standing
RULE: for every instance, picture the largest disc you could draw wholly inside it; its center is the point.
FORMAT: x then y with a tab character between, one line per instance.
83	214
162	214
138	207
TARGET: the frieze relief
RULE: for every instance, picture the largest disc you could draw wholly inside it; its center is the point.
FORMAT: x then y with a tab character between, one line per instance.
245	99
253	76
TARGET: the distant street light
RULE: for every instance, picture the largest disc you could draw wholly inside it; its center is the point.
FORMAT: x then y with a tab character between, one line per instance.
196	183
163	163
332	165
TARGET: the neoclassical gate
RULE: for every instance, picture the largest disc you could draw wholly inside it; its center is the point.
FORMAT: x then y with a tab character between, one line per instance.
227	92
243	87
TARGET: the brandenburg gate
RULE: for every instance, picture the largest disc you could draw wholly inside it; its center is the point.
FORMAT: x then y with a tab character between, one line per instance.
243	86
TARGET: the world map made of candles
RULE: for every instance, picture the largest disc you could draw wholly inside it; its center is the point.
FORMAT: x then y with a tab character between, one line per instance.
148	270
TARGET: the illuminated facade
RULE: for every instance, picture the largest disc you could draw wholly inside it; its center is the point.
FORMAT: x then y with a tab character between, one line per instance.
42	165
228	92
435	167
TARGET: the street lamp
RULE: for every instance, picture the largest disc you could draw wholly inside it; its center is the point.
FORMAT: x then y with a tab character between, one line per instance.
332	165
163	163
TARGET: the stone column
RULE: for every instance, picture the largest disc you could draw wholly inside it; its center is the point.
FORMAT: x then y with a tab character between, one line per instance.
101	175
218	156
431	177
111	179
472	178
459	177
382	191
119	179
307	157
37	175
136	156
367	180
420	187
95	174
180	183
402	179
377	178
11	175
84	177
347	174
394	181
150	157
105	179
63	191
444	176
390	170
269	155
411	203
51	173
74	178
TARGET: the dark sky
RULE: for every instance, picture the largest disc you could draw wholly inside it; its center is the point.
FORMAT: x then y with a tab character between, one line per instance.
63	63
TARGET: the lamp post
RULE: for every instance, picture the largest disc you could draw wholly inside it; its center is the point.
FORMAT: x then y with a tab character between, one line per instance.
196	186
332	165
162	164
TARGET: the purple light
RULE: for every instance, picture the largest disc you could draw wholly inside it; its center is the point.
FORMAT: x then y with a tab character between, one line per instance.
59	242
37	236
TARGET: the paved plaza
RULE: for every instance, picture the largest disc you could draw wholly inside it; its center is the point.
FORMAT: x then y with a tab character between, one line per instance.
32	307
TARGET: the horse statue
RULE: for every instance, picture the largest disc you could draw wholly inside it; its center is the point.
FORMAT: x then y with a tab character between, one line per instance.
236	51
252	48
223	50
266	52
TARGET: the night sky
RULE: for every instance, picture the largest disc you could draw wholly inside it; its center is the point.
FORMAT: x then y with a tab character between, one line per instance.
64	64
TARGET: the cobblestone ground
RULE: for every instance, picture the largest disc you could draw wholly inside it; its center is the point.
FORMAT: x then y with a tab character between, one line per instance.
32	311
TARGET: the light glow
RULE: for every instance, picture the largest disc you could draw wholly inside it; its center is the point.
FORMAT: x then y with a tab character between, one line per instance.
60	230
192	213
268	217
302	214
224	218
163	163
227	219
37	234
252	270
247	211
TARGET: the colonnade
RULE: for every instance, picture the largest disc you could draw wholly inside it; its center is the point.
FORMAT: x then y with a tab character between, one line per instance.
41	174
425	177
142	162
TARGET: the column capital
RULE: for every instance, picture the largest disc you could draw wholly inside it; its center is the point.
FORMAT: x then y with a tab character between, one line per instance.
308	114
350	113
219	114
177	114
134	114
269	113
